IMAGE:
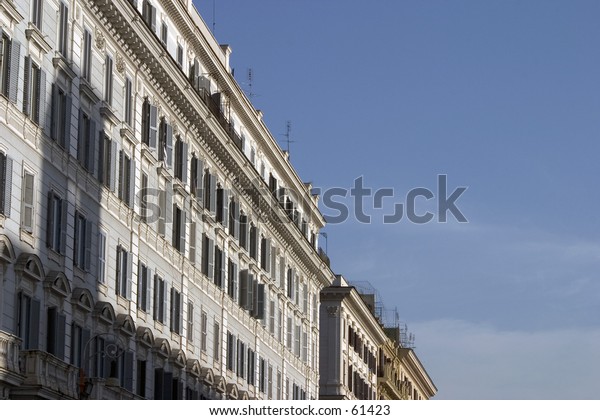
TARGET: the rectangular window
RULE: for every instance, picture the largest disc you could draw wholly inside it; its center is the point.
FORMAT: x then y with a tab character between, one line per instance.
149	124
176	306
56	227
37	13
143	194
141	378
261	374
143	287
251	367
128	106
217	339
180	55
181	164
159	298
86	65
55	333
84	142
28	321
279	325
165	143
304	346
289	333
126	180
190	322
241	359
243	230
230	351
34	86
253	241
106	161
164	30
122	273
204	325
63	29
28	202
79	338
101	257
270	382
108	80
207	256
179	224
297	340
278	395
232	276
272	317
149	15
82	243
61	117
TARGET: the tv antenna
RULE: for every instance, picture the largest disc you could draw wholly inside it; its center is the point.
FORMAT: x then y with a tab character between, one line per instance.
288	134
213	16
250	76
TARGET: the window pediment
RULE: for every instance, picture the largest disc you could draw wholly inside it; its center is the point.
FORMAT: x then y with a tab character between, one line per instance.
162	347
178	358
124	323
207	375
83	299
58	283
220	384
145	337
7	252
105	312
232	391
30	266
193	367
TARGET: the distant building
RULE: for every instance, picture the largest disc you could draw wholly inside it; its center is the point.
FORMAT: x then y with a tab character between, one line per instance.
361	358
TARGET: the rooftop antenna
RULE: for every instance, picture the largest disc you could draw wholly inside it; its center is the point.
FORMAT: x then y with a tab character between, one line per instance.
214	21
288	139
250	93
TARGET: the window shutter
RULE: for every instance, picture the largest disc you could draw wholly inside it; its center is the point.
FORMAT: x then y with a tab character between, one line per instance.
192	254
260	301
128	260
168	206
141	274
153	21
26	89
153	126
243	299
234	278
61	324
164	295
225	208
268	255
13	77
41	106
156	302
195	76
251	289
67	133
162	204
132	178
199	187
213	194
63	226
113	162
172	310
182	225
7	178
169	146
28	197
148	290
53	122
88	245
81	138
211	261
34	325
128	371
91	150
184	162
121	180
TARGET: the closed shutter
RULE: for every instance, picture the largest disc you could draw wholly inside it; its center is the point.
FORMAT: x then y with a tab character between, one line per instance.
28	198
66	140
168	204
212	207
259	310
7	181
131	178
41	106
128	260
168	152
34	325
26	88
184	162
53	122
211	263
182	225
88	245
13	76
192	252
153	126
113	162
63	226
225	208
91	149
243	298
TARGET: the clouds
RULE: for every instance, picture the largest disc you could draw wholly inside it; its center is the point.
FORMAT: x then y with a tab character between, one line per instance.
476	361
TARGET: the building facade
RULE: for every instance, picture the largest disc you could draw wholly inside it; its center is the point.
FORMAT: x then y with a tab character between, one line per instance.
155	241
360	357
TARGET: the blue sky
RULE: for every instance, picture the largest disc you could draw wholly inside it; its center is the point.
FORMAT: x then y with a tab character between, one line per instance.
503	97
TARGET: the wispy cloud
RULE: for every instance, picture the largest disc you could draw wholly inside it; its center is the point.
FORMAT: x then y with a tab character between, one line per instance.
475	361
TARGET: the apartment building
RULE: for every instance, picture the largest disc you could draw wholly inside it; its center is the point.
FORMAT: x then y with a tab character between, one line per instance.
155	241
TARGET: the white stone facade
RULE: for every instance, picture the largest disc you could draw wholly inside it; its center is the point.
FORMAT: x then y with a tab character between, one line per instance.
206	285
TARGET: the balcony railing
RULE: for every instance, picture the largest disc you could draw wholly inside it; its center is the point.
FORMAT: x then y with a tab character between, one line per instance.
55	378
9	353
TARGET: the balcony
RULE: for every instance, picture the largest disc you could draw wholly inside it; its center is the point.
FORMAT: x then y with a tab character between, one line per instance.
104	389
9	359
46	377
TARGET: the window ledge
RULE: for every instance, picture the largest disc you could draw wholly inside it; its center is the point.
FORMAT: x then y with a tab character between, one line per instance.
109	114
88	90
179	188
60	62
27	237
161	169
148	154
128	134
34	35
8	7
